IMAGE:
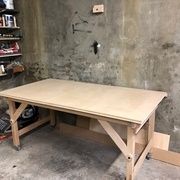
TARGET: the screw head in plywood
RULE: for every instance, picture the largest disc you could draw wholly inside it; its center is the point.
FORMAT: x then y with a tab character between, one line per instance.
98	8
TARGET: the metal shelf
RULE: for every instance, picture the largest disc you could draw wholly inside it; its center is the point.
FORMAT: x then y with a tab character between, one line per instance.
8	11
10	55
6	27
2	75
9	39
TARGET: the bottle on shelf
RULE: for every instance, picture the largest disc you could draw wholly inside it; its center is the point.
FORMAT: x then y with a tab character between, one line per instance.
9	4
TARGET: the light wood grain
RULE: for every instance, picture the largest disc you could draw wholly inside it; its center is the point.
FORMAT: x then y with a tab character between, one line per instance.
116	138
14	124
19	110
142	157
160	140
34	125
127	104
150	136
131	141
166	156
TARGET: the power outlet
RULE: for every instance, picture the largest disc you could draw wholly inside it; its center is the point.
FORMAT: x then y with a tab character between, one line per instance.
98	8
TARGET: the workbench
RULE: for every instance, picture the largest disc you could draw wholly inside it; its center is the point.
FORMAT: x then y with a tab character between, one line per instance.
133	108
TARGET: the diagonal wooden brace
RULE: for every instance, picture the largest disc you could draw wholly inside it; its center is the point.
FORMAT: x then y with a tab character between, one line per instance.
116	138
15	115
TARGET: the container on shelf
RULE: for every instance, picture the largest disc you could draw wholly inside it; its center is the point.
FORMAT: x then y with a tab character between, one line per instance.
9	20
9	4
2	70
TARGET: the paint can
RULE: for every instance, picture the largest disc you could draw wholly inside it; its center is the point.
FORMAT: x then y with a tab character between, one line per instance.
9	20
9	4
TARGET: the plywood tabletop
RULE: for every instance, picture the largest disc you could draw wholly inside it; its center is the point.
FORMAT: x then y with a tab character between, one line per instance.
127	104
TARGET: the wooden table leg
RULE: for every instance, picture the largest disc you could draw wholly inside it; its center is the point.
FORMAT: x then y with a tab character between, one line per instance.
131	148
53	118
128	150
14	115
14	125
151	128
149	145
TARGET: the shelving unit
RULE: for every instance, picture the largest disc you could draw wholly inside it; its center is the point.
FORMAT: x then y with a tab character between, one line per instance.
9	35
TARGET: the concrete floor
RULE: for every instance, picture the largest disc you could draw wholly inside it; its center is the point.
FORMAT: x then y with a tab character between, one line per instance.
46	155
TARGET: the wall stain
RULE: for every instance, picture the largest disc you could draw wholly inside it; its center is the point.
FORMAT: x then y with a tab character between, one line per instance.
168	45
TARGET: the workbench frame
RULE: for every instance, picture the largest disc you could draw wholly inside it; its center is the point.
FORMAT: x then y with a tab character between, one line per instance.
128	149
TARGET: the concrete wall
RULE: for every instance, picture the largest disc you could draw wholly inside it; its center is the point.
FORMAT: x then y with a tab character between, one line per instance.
6	83
140	47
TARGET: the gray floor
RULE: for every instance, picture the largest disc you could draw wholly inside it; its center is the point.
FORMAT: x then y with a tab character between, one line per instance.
46	155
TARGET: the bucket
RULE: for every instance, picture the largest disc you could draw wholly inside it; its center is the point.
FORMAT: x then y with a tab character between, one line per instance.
9	4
